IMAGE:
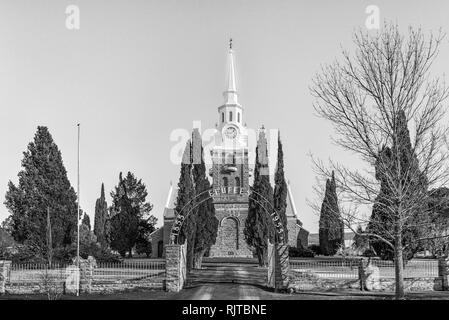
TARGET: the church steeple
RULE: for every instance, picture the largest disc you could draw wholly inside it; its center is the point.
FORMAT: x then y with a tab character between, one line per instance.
230	95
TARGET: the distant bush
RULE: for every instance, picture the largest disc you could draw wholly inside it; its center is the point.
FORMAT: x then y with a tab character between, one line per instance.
347	252
105	255
300	253
369	253
315	248
26	254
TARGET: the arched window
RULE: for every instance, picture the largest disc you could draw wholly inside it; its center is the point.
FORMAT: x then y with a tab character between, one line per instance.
225	182
237	182
238	117
230	227
222	117
230	115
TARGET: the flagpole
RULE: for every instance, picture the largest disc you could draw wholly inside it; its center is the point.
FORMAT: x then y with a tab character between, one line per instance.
78	213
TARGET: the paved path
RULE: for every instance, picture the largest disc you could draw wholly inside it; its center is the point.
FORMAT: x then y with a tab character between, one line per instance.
224	281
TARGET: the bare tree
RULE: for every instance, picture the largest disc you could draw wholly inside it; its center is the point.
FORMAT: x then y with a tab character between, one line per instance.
367	97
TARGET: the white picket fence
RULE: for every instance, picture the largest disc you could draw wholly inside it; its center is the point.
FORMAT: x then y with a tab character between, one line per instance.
348	268
103	272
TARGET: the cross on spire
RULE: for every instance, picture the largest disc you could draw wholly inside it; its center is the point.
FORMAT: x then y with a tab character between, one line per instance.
230	43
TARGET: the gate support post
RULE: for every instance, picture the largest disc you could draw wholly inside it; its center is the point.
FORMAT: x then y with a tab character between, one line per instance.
271	283
5	267
282	266
175	267
278	266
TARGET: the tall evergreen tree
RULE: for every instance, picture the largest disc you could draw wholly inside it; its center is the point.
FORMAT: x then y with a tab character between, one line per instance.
402	162
205	221
331	227
101	219
136	193
49	240
186	192
43	184
280	190
86	221
258	225
124	222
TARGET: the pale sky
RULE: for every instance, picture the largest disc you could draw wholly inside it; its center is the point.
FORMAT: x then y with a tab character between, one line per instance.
136	71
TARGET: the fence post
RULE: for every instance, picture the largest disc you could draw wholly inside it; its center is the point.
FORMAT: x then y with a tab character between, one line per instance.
362	273
86	274
173	267
443	271
91	264
4	271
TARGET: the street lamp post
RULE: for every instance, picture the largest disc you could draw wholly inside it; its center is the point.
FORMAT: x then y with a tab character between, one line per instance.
78	214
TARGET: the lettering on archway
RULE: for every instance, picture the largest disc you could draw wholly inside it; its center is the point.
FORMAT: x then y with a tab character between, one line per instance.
210	193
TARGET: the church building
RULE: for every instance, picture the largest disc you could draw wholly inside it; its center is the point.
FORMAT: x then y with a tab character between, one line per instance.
230	173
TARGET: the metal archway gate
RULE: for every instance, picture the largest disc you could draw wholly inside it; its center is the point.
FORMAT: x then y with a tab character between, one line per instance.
175	252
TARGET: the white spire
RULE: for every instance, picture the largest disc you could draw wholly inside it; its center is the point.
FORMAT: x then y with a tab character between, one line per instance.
170	191
290	198
230	94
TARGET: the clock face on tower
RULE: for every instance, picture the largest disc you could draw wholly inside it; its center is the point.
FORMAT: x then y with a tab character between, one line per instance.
230	132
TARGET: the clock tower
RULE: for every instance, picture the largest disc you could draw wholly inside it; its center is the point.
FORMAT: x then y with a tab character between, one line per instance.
230	173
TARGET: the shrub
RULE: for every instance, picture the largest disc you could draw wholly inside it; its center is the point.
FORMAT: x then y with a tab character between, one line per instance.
105	255
300	253
347	252
315	248
26	254
369	253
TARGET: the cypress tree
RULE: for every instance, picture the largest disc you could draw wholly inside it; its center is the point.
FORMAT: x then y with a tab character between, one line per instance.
43	184
331	228
258	225
205	221
49	240
280	190
86	221
101	218
136	194
186	192
124	222
397	161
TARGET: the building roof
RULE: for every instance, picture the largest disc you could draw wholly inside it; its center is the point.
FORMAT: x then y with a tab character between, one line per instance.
169	209
155	232
315	239
290	211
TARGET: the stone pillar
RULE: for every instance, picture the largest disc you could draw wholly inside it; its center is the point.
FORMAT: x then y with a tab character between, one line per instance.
72	281
372	280
282	266
5	267
278	266
173	267
87	273
443	271
271	265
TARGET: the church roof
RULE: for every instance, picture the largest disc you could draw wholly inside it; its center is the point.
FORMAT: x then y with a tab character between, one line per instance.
169	210
230	94
290	211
